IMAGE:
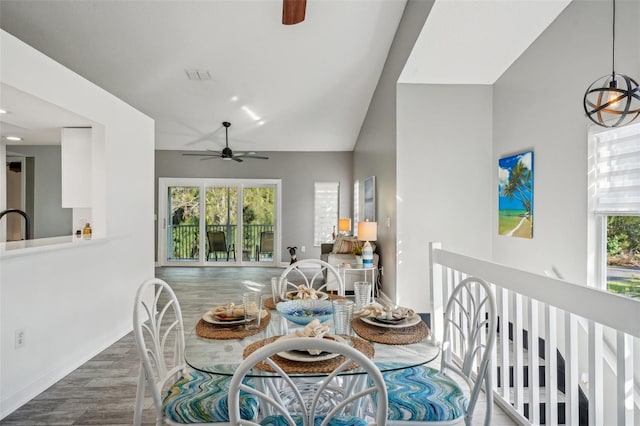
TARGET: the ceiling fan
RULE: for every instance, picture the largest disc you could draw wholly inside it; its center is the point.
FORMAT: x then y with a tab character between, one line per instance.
293	11
227	153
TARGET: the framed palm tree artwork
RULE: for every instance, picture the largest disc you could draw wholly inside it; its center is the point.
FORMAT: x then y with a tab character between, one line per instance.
515	195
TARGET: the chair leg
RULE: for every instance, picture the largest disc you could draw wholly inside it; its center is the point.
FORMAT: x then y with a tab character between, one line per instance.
137	413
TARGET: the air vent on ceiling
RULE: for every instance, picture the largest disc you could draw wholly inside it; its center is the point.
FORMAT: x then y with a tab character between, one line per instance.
198	74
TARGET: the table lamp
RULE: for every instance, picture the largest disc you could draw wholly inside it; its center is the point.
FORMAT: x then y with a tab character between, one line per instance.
344	225
367	231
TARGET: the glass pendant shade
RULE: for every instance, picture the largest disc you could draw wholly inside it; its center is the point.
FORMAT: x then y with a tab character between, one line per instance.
612	100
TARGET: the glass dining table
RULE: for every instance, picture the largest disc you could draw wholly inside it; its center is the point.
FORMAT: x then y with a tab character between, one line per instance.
222	356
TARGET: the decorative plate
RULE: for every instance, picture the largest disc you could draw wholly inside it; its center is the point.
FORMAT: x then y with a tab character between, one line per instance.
383	322
304	356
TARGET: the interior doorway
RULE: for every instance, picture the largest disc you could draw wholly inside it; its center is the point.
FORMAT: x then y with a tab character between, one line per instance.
209	222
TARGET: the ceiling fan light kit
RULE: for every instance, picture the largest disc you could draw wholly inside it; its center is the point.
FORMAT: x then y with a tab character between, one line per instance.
613	100
227	153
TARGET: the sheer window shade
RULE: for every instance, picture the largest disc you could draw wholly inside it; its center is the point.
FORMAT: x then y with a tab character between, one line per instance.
326	195
617	171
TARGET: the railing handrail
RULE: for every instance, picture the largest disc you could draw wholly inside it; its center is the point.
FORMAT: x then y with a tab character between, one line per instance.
618	312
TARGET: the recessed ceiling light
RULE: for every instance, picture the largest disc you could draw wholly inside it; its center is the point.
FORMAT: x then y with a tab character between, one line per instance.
3	111
261	122
13	138
234	99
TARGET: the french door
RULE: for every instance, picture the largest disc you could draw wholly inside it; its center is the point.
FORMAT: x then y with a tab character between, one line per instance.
208	222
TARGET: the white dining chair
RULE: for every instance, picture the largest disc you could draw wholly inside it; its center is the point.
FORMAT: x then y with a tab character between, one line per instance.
323	403
180	395
423	395
326	278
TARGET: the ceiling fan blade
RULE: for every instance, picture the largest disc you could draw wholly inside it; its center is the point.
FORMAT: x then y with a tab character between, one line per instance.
239	160
259	157
202	154
293	11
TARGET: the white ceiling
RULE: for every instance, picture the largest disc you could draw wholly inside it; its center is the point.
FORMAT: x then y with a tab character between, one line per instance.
310	83
475	41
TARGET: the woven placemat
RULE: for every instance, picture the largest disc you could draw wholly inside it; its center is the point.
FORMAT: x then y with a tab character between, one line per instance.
222	332
391	336
326	366
268	302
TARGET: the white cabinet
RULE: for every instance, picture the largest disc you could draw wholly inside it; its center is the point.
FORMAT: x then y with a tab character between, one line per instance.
76	167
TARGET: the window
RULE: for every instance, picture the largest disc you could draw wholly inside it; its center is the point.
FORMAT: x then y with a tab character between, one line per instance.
616	203
326	196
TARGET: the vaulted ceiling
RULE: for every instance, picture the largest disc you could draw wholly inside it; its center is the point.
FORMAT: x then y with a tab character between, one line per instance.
192	64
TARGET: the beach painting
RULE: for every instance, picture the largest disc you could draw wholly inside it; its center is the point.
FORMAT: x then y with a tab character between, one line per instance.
515	195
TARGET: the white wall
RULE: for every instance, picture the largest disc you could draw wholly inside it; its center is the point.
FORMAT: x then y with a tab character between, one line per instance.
538	105
74	302
444	179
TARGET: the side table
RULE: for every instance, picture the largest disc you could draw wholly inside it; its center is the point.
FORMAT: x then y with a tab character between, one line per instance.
358	268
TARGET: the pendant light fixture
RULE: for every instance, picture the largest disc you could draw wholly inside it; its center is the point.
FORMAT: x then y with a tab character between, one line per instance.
613	100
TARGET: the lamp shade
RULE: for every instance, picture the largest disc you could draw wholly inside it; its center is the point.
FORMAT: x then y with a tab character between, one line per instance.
367	231
344	224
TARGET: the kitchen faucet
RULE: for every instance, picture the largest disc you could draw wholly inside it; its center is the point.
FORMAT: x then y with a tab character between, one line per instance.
27	221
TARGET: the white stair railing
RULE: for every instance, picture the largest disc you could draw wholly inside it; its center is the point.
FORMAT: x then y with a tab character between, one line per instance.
536	303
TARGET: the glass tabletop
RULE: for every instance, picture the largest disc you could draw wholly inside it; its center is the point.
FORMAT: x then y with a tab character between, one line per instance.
223	356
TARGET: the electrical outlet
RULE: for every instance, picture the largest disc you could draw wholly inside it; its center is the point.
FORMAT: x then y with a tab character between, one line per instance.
20	338
303	249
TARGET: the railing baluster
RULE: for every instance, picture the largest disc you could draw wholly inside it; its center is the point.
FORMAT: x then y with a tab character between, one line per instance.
518	373
596	415
503	312
571	390
438	281
551	366
534	382
625	379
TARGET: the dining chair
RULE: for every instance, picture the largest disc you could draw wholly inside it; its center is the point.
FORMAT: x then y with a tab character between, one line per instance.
298	273
218	244
324	403
266	244
180	395
423	395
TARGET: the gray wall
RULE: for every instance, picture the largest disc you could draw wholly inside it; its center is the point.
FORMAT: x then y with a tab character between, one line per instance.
298	172
49	218
538	105
375	150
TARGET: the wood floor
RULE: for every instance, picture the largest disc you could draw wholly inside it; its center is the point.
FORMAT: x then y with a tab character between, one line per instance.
102	391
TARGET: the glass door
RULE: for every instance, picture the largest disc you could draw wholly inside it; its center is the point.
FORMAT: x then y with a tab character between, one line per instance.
221	224
183	224
208	222
258	224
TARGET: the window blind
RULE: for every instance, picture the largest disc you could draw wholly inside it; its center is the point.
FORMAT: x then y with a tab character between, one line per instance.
617	171
325	211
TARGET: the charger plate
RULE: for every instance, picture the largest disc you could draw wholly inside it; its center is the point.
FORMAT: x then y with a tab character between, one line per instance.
225	332
300	367
391	336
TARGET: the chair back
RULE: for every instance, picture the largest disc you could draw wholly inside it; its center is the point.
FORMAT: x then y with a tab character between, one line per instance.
310	400
306	272
266	242
159	334
469	336
217	241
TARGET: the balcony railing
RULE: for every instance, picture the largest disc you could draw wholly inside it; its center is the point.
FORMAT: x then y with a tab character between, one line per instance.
590	331
184	240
